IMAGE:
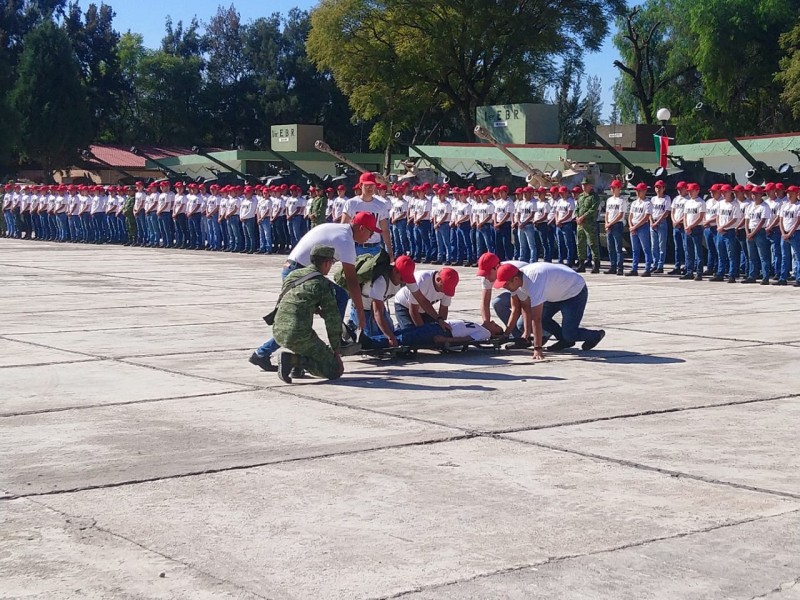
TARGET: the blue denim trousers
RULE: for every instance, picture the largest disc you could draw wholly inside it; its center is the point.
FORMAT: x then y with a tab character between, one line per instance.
758	248
443	251
658	244
566	243
728	253
399	237
694	250
615	253
679	238
640	240
792	247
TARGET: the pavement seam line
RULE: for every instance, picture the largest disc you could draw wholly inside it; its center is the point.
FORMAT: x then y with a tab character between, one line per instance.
646	413
787	585
187	565
132	327
131	482
116	404
52	363
568	557
663	471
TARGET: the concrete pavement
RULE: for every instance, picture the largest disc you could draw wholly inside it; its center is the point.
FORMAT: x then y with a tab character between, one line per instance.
141	456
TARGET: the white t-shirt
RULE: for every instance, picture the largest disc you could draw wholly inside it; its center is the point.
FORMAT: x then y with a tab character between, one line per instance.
728	213
487	285
179	204
461	210
383	289
564	206
524	210
441	211
425	281
789	214
399	208
482	210
677	208
615	206
743	204
756	212
248	207
660	206
541	210
278	206
641	209
502	207
377	207
692	208
711	207
462	329
337	235
549	282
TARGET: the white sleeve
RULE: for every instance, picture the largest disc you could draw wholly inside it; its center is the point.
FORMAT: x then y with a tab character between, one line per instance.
378	290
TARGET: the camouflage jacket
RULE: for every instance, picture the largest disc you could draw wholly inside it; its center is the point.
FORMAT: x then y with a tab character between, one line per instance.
295	317
587	206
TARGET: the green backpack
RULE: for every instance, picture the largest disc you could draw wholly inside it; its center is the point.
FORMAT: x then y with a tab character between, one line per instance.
369	267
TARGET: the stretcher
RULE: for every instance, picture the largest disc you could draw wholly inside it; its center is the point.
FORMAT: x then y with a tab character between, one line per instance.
495	344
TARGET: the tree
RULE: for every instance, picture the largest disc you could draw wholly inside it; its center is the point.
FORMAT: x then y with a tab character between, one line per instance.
395	58
50	99
568	100
789	74
96	45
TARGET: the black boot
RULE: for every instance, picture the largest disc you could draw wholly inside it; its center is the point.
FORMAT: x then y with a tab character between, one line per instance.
596	266
581	268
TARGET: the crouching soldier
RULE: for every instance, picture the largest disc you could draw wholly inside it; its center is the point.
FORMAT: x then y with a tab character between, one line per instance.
306	292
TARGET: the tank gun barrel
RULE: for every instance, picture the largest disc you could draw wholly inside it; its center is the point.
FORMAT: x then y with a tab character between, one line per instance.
161	166
227	167
451	175
309	176
638	173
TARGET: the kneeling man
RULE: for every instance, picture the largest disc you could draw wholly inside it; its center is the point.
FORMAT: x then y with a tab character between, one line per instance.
544	290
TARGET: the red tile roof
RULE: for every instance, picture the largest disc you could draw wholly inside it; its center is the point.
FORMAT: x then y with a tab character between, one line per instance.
122	157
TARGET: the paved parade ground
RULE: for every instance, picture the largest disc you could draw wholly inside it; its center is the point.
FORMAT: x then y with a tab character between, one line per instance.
142	456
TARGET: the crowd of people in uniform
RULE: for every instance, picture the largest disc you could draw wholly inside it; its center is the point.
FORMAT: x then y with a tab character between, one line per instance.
747	232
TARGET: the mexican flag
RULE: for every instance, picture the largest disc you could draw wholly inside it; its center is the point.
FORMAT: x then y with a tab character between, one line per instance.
661	143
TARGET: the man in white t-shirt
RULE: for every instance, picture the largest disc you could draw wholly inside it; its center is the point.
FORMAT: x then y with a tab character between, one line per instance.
790	220
435	286
342	237
639	227
367	201
678	233
694	211
659	225
729	214
616	209
505	302
757	215
544	290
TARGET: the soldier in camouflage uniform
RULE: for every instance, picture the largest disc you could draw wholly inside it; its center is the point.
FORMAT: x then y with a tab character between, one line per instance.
293	327
586	218
130	219
319	206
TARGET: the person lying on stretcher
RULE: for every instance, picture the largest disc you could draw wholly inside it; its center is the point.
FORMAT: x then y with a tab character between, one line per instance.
431	335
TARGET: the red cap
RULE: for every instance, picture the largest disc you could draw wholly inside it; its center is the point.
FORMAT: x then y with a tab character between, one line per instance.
739	188
366	219
793	188
368	178
505	273
681	185
405	266
641	187
248	189
693	187
714	188
341	187
330	189
554	189
577	189
748	187
615	184
757	189
769	187
449	279
178	184
659	183
779	187
486	263
725	188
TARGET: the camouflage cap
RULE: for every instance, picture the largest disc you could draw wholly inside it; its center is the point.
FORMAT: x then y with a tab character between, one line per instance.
586	180
322	252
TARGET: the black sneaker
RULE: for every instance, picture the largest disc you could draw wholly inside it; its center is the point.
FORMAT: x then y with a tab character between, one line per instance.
698	277
731	279
781	282
687	277
716	278
611	271
659	271
632	274
675	271
519	344
262	361
590	345
765	281
748	280
646	274
620	272
559	346
285	367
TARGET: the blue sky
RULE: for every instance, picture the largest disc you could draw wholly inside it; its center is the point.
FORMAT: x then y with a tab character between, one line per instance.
147	17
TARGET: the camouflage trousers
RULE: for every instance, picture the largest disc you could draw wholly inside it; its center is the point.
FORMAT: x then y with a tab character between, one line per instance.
588	236
315	356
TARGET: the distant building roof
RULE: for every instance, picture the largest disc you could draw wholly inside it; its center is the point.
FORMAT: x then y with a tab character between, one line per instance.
122	157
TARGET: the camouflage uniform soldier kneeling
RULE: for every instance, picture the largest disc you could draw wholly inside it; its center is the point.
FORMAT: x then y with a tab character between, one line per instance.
292	329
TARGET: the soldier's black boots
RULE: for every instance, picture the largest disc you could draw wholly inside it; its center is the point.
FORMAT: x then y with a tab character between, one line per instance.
596	266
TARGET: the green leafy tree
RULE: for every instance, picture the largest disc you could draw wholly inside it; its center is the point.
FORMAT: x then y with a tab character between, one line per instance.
789	73
395	59
50	99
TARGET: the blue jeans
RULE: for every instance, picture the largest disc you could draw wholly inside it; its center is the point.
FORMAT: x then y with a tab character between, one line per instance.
462	248
679	237
502	239
443	243
403	317
270	346
658	244
615	253
422	239
501	305
694	250
515	242
399	237
759	256
640	240
571	311
776	248
249	233
195	231
141	228
265	237
528	250
486	233
728	253
566	243
543	233
789	248
100	227
165	227
181	230
710	236
235	233
295	229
